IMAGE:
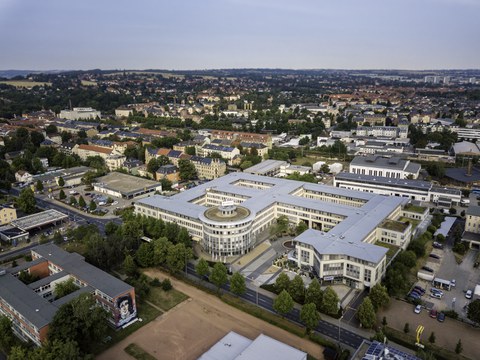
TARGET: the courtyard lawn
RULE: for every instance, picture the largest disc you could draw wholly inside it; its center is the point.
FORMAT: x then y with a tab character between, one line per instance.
165	300
392	249
138	353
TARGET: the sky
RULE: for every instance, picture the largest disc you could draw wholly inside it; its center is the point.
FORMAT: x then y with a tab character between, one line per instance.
213	34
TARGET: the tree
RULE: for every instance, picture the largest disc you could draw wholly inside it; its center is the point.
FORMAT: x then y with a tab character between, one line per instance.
64	288
297	289
81	202
459	347
26	201
202	268
237	284
408	258
314	294
6	334
330	301
92	206
61	182
73	201
473	311
366	313
431	338
310	316
379	296
62	195
219	275
282	224
325	168
186	170
144	255
406	328
282	282
79	320
177	257
39	185
160	250
283	303
129	266
301	227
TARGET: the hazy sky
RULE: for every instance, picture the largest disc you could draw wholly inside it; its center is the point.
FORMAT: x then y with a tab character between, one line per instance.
205	34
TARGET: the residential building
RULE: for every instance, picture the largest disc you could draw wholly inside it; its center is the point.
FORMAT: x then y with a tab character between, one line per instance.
80	114
391	167
209	168
23	176
471	235
169	172
237	136
7	214
226	216
32	307
226	152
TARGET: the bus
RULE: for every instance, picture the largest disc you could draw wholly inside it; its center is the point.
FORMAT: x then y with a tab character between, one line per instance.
442	284
475	191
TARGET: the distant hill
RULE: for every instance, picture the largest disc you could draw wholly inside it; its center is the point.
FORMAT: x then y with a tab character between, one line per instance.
12	73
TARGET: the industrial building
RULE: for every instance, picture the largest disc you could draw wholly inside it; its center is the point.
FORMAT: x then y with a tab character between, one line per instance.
234	346
412	189
125	186
391	167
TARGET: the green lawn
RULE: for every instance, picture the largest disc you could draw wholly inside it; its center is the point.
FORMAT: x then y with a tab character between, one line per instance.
411	221
165	300
392	249
138	353
144	311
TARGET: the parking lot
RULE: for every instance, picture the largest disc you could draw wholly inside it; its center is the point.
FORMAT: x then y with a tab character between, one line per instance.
464	274
89	195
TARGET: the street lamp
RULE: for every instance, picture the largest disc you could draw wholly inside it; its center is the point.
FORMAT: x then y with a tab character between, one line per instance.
339	319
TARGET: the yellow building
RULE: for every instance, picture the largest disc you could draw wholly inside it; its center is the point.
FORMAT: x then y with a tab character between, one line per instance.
7	214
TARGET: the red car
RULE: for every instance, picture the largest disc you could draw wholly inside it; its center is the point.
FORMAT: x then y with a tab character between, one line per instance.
433	313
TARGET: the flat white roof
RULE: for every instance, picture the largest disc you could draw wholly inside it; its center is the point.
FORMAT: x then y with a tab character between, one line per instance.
237	347
356	222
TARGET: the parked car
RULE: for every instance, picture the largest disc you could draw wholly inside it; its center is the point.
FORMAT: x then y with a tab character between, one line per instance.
436	291
453	282
416	292
420	289
436	295
414	296
426	268
469	294
418	309
433	313
435	256
437	245
441	317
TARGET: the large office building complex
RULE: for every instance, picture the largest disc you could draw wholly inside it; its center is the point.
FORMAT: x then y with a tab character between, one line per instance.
227	214
31	307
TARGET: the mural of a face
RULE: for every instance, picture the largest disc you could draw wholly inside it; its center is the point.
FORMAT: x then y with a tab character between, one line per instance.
126	310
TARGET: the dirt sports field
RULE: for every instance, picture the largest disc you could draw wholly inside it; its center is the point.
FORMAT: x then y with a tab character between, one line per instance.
191	328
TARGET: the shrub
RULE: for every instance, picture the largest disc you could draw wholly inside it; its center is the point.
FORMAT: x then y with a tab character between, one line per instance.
155	282
166	285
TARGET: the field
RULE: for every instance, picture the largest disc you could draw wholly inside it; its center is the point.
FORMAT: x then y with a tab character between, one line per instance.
89	83
191	328
25	83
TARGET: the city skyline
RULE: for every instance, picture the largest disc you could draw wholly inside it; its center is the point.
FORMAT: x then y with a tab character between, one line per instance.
213	34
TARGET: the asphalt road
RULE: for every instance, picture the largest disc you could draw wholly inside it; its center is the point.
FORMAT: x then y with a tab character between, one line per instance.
347	337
